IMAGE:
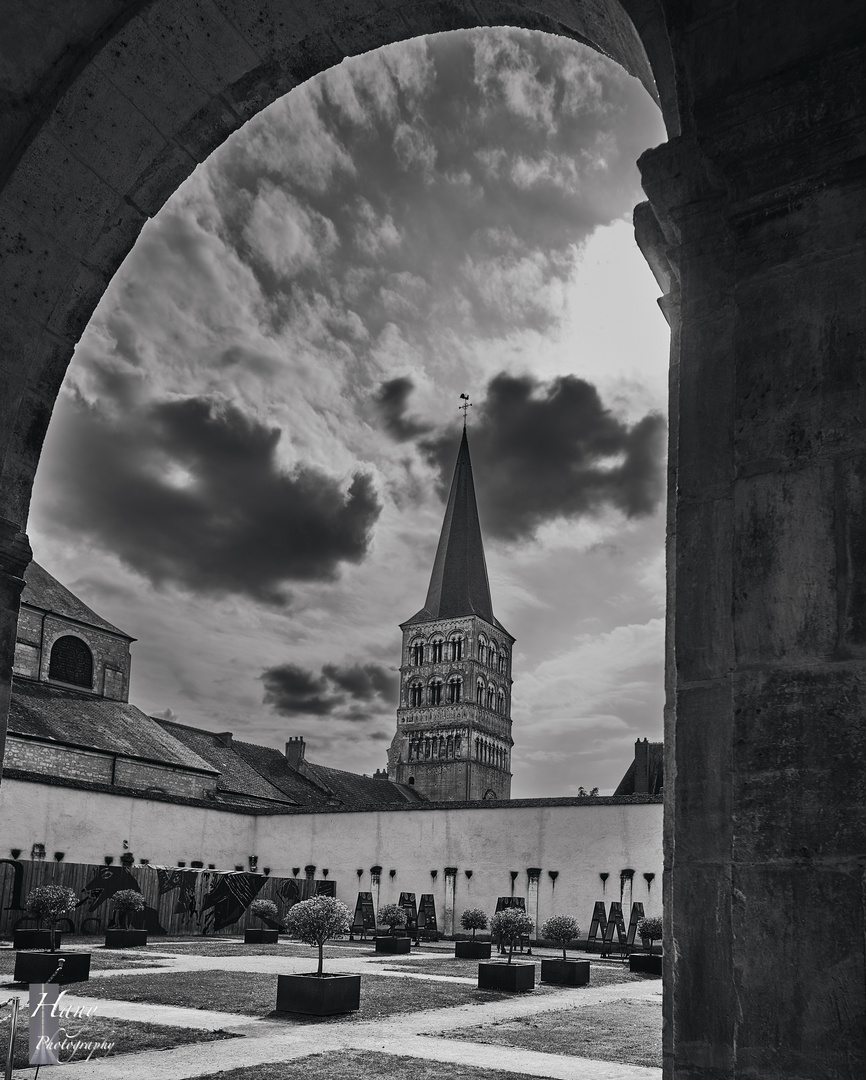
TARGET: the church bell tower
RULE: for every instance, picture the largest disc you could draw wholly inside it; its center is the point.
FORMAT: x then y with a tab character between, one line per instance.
453	740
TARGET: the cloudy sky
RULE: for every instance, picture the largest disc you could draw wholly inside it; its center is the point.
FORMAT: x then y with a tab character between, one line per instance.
247	465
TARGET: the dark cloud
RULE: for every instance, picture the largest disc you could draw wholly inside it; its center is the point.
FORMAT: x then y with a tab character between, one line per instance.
553	450
190	491
354	692
391	402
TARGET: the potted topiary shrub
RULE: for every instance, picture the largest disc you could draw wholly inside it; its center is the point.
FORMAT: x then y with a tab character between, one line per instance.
648	962
127	903
50	903
267	911
508	927
473	919
314	922
394	917
562	929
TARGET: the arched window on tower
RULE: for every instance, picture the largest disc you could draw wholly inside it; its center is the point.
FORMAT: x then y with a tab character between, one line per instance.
416	694
455	647
482	649
501	702
491	696
457	742
416	653
454	685
71	662
493	656
435	692
436	650
479	693
449	752
441	746
503	662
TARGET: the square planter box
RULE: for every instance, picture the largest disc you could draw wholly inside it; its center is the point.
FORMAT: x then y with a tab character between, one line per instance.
261	937
393	944
125	939
499	975
35	939
472	950
328	996
38	967
645	963
565	972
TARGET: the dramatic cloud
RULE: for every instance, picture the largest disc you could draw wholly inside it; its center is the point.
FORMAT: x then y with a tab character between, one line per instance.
549	451
355	692
391	401
190	492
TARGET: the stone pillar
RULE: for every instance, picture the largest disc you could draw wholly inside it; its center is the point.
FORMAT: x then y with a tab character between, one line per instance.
15	556
532	876
765	829
450	900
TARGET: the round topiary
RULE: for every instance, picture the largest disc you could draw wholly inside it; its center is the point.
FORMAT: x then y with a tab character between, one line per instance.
650	926
562	929
48	903
127	902
266	910
509	926
317	920
392	915
474	919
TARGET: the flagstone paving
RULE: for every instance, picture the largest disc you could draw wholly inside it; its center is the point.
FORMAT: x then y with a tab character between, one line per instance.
413	1035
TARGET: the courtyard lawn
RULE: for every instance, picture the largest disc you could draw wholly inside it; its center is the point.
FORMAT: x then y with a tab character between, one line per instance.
252	994
361	1065
600	974
629	1032
128	1036
213	946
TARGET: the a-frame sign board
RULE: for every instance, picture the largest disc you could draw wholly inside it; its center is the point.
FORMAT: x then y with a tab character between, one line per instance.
616	922
635	917
598	925
410	910
427	924
365	917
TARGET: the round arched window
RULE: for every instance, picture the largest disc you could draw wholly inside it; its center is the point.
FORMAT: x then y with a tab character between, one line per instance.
71	662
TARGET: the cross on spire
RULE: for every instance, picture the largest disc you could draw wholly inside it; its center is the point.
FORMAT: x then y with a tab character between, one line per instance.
467	404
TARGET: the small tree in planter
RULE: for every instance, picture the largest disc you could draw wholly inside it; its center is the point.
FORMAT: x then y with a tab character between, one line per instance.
267	911
650	929
394	917
50	903
508	927
314	922
562	929
473	919
127	903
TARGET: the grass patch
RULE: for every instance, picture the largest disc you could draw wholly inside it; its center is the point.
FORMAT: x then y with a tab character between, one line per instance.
128	1036
629	1032
204	946
253	994
362	1065
600	974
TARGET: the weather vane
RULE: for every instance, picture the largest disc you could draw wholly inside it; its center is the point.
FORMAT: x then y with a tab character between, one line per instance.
467	404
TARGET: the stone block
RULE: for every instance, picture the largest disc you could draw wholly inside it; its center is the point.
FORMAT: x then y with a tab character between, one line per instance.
35	272
355	36
161	179
207	43
434	18
799	761
269	28
784	590
208	129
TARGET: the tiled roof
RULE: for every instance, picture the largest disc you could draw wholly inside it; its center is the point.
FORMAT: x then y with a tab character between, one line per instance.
272	765
114	727
237	777
361	790
45	592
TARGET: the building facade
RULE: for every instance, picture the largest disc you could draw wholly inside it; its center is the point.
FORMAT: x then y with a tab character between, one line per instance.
453	741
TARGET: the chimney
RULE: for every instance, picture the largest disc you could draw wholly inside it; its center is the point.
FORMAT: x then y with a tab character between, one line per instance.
295	751
225	737
641	767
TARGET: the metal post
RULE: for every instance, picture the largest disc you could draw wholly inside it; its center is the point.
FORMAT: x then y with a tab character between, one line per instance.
12	1031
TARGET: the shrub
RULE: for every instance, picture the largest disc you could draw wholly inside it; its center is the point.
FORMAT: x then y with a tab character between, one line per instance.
127	902
509	926
266	910
473	919
317	920
48	903
561	929
650	927
392	915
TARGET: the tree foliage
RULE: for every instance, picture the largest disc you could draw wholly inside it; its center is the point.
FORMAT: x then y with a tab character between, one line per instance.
509	926
392	915
317	920
266	910
128	902
562	929
48	903
650	926
474	919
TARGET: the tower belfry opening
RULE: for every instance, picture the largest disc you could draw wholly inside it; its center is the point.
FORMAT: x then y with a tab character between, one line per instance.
453	740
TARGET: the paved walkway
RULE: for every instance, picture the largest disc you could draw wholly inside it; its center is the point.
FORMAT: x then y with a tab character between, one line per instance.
409	1034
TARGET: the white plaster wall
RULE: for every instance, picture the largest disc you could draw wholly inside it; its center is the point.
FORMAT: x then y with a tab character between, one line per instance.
579	841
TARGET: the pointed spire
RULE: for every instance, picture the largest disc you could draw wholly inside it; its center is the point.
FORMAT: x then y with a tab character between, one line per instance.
458	584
